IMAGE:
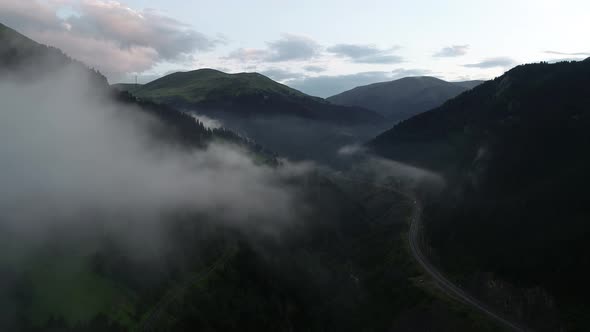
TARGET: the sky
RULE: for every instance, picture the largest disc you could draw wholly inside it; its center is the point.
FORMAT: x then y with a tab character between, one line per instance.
321	47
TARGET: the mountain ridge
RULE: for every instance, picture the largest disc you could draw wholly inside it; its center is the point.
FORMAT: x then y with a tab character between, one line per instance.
33	60
27	60
402	98
245	94
514	152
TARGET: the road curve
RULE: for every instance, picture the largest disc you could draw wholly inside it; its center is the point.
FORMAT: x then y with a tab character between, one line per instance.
443	283
446	285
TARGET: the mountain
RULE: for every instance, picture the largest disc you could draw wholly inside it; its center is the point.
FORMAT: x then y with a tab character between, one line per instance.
27	60
245	94
289	122
515	153
400	99
32	60
128	87
340	264
469	84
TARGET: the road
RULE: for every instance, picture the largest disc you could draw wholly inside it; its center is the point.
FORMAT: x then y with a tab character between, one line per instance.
446	285
443	282
415	236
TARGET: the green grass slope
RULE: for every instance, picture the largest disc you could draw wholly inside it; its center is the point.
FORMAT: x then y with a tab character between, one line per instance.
245	94
211	85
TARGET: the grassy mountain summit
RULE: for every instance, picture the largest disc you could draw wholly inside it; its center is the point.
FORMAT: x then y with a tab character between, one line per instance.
27	60
245	94
207	85
403	98
515	151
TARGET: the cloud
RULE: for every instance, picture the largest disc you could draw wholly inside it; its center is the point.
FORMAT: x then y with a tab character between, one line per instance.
402	72
105	55
380	59
288	48
329	85
574	56
314	68
300	48
279	74
382	171
326	86
293	47
107	35
248	54
351	150
76	161
208	122
452	51
360	53
571	54
492	63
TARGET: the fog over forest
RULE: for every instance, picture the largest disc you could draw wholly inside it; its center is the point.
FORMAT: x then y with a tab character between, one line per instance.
72	158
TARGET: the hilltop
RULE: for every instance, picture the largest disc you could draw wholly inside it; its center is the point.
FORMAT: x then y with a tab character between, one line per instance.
400	99
245	94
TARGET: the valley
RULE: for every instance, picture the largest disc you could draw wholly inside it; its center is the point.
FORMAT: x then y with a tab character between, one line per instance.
211	195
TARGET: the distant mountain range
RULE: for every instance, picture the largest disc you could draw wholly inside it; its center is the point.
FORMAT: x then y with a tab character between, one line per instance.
516	153
288	121
244	94
403	98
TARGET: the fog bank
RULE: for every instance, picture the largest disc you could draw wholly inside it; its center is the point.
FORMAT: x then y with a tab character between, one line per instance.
71	159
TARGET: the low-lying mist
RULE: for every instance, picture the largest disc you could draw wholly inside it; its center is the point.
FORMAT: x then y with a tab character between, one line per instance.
382	171
295	137
69	159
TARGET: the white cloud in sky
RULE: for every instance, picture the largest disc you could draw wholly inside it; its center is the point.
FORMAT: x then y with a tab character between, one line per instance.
106	35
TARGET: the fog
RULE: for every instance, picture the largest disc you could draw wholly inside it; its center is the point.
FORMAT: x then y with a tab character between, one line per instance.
412	177
69	159
294	137
207	121
383	171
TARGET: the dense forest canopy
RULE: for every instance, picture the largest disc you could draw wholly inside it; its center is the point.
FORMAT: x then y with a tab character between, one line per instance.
515	151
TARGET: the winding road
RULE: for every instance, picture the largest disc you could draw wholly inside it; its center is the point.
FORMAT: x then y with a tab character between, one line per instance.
415	241
447	286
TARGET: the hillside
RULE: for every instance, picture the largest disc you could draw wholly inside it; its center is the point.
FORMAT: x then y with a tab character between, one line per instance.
33	60
128	87
343	250
29	61
514	151
245	94
400	99
469	84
